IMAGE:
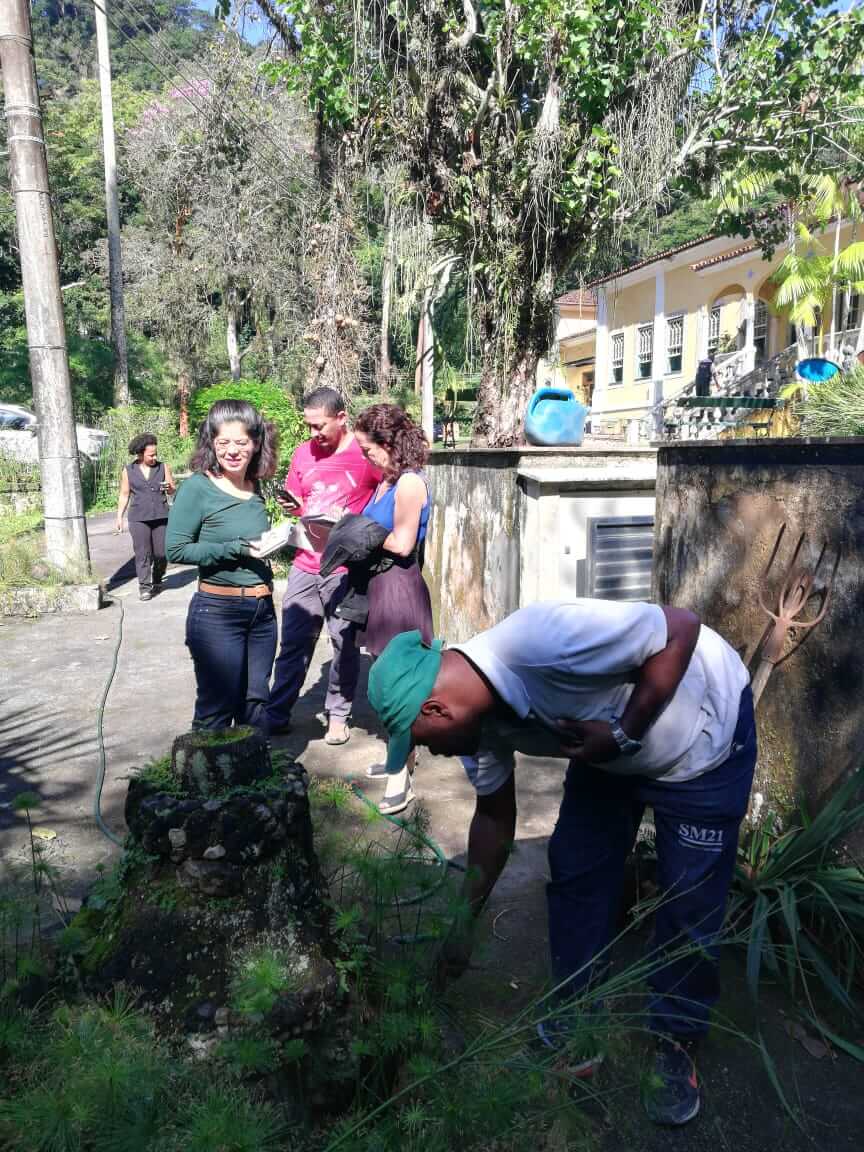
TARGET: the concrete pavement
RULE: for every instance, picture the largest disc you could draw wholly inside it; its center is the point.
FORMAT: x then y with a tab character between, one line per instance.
54	672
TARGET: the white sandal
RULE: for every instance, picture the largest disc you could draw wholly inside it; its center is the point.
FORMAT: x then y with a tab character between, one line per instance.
390	805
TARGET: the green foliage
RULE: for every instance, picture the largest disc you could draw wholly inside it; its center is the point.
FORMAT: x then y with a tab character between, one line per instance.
230	1122
91	360
65	48
159	774
547	126
262	977
95	1077
803	904
23	565
269	398
17	475
248	1054
122	424
835	407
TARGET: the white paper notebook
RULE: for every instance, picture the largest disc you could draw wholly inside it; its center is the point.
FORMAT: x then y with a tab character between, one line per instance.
288	534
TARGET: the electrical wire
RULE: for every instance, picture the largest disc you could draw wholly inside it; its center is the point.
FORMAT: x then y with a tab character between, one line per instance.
100	739
181	91
247	109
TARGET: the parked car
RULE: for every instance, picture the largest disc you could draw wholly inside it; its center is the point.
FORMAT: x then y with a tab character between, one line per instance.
18	434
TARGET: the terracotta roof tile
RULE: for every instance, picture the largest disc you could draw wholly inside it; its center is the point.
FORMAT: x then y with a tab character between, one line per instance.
653	259
578	297
722	257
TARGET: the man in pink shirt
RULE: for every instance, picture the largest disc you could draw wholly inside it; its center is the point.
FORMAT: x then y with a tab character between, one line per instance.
329	476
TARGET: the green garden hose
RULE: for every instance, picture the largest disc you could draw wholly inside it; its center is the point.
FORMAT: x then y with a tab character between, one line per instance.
100	738
403	825
421	838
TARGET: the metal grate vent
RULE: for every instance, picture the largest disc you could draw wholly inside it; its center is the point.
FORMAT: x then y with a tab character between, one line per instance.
621	558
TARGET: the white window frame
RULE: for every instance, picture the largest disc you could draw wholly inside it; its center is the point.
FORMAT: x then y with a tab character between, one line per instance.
676	320
853	320
616	364
644	330
760	326
714	317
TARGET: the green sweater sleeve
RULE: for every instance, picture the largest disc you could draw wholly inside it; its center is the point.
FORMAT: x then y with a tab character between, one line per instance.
184	526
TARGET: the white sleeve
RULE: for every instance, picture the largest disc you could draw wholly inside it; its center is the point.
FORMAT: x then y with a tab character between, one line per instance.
612	637
488	770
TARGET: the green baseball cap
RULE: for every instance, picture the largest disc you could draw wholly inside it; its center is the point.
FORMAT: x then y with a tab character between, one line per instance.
400	681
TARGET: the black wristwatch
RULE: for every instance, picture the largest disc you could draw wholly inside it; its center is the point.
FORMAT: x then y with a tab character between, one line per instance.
627	746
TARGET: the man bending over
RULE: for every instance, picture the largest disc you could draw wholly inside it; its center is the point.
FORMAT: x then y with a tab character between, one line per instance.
651	709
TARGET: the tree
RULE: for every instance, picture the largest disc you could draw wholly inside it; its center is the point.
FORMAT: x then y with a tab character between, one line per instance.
812	284
222	164
535	131
64	33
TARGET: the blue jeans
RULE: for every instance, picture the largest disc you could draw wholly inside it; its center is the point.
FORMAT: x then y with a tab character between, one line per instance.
697	824
232	641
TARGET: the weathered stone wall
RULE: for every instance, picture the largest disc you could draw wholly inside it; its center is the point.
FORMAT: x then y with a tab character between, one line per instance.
720	507
472	548
491	545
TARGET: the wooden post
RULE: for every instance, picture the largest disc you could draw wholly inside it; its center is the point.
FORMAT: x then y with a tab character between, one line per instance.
63	503
112	206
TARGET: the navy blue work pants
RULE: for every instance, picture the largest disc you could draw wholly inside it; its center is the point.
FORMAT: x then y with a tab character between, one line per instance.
232	641
697	824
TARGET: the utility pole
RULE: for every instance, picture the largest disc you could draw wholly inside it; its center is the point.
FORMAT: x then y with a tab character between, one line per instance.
63	504
427	366
112	205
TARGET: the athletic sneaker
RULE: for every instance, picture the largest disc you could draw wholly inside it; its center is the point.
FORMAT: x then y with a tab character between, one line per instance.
580	1048
670	1096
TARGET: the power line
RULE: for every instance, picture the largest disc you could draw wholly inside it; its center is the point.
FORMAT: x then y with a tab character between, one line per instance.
171	81
175	62
173	58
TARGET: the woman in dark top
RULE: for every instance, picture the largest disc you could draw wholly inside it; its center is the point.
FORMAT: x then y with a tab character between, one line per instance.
398	597
147	483
218	515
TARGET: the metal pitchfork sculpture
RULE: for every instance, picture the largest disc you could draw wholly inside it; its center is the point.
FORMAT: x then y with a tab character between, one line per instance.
795	591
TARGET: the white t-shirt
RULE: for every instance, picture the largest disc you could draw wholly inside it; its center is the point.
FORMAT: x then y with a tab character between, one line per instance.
576	661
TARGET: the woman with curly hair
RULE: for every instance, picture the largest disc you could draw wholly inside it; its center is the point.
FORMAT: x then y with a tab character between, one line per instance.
145	486
216	519
398	596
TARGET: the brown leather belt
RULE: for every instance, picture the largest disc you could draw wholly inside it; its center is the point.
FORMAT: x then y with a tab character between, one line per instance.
256	590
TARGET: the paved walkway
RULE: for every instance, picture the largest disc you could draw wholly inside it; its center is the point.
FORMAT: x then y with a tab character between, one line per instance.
52	677
54	673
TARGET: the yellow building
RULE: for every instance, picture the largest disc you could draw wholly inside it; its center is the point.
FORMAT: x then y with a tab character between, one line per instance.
656	320
572	366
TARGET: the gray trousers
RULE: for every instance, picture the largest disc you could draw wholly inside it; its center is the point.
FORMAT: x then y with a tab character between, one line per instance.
148	541
309	601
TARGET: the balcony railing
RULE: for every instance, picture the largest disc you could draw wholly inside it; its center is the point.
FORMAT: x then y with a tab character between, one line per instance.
688	417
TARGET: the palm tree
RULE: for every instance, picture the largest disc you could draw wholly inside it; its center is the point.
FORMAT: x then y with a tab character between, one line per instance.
810	279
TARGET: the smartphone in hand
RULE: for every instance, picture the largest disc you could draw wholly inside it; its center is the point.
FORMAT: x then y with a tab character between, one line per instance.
288	502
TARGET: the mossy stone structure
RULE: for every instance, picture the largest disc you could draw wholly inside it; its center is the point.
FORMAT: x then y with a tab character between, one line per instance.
720	509
220	921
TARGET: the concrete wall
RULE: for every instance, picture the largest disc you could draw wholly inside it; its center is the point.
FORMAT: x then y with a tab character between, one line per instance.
472	546
720	508
498	538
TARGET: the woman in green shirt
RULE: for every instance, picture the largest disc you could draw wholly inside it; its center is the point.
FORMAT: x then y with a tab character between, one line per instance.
218	511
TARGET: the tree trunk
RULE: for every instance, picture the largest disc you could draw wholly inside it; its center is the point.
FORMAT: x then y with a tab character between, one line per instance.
418	351
506	387
502	402
184	390
231	335
386	292
427	367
